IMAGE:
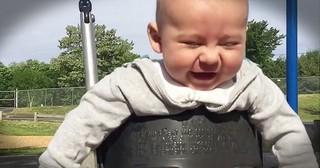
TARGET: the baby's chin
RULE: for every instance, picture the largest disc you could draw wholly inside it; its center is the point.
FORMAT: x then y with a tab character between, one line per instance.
201	87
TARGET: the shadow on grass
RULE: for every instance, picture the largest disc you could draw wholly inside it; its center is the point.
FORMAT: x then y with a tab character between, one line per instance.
22	152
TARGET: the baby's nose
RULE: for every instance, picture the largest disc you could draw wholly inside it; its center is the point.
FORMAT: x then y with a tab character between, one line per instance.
209	56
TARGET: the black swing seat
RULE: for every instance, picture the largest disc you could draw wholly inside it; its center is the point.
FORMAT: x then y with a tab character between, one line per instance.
192	139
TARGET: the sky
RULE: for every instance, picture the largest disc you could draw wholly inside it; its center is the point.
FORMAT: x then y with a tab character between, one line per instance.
31	29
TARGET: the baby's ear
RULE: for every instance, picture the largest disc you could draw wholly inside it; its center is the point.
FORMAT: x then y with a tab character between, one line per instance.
154	37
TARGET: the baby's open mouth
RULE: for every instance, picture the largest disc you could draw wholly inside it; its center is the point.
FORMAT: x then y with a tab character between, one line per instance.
203	75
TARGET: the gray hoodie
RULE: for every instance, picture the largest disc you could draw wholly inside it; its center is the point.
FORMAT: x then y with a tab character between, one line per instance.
139	88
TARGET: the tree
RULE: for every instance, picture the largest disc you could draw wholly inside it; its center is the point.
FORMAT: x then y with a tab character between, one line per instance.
5	83
5	78
112	52
278	68
261	41
29	75
309	66
309	63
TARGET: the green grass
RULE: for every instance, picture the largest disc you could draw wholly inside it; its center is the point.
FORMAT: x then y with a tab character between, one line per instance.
309	107
309	110
28	128
22	151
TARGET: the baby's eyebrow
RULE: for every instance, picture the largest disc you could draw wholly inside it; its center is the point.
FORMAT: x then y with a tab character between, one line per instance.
232	36
189	36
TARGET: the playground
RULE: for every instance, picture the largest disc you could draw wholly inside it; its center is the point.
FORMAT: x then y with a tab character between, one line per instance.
188	138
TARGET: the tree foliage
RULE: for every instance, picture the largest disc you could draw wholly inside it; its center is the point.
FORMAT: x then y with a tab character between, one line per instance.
261	41
112	51
309	63
277	68
309	66
31	74
67	70
5	77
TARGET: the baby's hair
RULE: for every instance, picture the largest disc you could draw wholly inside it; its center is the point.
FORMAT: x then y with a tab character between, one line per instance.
160	4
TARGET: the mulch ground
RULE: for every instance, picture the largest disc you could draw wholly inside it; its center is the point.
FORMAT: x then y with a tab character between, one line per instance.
10	142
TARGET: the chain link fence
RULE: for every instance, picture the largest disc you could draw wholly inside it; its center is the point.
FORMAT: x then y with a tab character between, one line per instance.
306	85
7	98
72	95
50	97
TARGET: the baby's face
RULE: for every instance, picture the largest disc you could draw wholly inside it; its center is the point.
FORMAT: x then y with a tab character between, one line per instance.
203	41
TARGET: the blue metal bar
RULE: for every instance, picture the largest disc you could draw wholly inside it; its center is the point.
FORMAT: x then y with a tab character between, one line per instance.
292	55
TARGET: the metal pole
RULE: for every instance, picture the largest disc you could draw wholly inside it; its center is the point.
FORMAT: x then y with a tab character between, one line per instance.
16	98
292	55
88	42
90	60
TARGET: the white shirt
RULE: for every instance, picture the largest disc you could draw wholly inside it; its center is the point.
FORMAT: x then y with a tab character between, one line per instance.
177	92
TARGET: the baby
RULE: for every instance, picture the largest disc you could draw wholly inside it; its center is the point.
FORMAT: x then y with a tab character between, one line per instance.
203	47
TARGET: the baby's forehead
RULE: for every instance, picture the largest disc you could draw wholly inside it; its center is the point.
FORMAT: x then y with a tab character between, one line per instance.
163	2
163	6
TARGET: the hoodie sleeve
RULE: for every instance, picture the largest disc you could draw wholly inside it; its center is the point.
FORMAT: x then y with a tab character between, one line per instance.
102	109
281	127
